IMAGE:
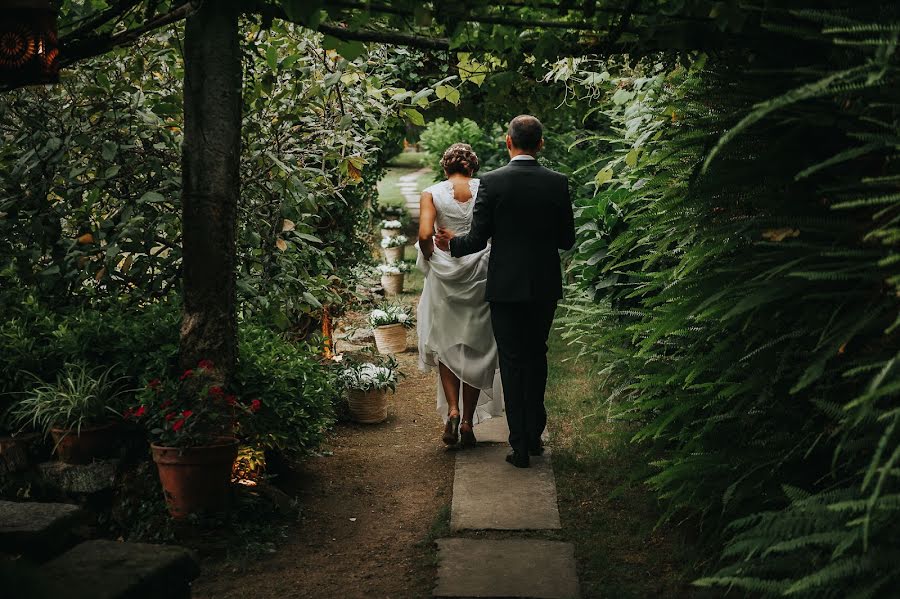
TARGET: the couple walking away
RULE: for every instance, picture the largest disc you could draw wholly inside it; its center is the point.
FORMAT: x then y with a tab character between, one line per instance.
489	251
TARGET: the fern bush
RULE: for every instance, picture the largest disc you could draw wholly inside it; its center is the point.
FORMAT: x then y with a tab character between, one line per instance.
737	280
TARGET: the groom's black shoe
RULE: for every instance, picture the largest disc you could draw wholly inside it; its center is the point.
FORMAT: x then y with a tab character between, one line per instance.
518	459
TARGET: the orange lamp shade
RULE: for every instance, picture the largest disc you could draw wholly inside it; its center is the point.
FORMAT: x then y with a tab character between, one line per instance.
29	49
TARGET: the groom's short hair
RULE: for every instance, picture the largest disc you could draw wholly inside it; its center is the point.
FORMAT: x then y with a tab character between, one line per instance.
526	132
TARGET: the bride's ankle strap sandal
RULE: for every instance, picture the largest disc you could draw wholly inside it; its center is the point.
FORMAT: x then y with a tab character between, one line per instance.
451	431
467	437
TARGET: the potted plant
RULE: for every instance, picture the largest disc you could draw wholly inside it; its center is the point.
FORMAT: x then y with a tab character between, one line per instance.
390	227
367	387
393	247
392	276
78	410
192	422
389	323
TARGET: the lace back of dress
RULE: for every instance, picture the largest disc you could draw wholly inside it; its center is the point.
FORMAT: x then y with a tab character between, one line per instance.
452	215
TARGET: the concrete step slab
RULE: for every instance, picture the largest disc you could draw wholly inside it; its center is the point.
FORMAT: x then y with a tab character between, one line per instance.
494	430
37	530
112	570
526	568
490	494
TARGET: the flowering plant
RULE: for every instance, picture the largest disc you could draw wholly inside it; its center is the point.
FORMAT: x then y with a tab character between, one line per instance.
191	411
394	268
391	224
394	242
388	314
371	377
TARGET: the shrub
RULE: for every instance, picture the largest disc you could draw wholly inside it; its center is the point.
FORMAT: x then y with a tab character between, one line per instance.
297	391
441	134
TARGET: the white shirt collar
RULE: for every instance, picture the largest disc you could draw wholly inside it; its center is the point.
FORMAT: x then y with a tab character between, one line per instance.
523	157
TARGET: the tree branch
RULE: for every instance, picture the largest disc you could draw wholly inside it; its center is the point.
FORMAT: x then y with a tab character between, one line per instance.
72	51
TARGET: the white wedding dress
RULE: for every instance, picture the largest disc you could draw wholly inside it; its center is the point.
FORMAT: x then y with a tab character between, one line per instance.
454	320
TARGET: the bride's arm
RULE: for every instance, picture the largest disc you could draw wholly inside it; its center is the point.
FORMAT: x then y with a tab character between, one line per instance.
427	214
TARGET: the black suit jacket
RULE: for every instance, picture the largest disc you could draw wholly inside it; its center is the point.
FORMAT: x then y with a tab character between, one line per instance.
525	210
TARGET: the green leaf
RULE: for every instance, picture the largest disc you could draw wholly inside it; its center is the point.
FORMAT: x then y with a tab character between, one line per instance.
152	197
109	150
415	116
631	159
603	176
272	57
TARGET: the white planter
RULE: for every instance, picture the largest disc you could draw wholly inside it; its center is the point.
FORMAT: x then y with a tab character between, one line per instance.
393	254
393	284
368	407
390	339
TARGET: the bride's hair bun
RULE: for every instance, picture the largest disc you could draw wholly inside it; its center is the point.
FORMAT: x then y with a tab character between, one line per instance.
460	158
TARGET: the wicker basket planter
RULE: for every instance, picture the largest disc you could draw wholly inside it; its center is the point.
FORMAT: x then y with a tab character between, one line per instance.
393	254
393	284
368	407
390	232
390	339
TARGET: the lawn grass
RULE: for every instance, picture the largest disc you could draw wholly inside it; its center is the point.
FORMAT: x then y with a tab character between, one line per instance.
606	510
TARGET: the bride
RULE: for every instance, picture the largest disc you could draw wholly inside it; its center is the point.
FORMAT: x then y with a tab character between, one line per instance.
454	321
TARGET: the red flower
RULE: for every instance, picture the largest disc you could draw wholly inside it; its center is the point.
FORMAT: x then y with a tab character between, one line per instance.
187	414
230	400
216	391
255	405
170	416
166	404
140	412
178	424
187	373
155	384
205	364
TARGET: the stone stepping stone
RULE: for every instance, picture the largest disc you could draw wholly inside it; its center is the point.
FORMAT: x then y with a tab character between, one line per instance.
494	430
526	568
112	570
37	530
489	494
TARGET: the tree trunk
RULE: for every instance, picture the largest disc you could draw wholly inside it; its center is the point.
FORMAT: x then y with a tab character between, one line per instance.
211	186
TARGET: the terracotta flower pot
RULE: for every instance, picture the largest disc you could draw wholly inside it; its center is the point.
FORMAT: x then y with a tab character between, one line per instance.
195	478
393	254
392	284
390	339
390	232
82	447
368	407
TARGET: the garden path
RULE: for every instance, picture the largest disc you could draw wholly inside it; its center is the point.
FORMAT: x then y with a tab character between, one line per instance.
372	502
411	187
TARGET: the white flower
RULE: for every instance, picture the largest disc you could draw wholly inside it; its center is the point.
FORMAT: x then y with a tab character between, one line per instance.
391	224
393	242
402	317
389	269
378	314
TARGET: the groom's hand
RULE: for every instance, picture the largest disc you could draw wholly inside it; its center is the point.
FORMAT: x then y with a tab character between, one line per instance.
442	239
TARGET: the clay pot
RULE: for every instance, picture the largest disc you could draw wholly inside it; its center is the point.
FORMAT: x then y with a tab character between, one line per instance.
368	407
82	447
195	478
393	254
392	284
390	339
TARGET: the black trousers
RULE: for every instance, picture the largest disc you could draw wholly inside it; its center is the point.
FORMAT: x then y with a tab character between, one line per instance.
521	330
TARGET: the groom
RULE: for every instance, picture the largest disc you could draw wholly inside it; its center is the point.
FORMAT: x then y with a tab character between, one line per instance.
524	209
